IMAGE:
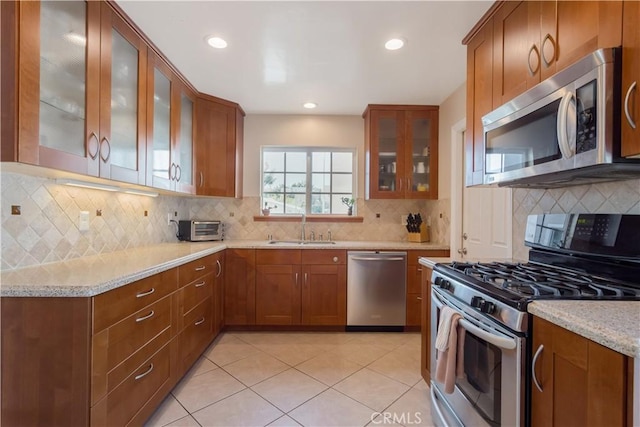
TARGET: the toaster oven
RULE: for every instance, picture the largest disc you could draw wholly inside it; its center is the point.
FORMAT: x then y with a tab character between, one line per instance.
198	231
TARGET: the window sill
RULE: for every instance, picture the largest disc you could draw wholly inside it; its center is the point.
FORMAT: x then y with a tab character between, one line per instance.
309	218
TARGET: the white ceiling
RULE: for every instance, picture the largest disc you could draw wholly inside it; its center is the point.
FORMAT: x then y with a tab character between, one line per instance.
284	53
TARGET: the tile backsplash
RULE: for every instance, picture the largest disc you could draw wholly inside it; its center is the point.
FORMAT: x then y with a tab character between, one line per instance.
609	197
47	228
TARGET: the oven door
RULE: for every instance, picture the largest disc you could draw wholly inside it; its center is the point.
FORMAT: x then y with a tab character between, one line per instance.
491	392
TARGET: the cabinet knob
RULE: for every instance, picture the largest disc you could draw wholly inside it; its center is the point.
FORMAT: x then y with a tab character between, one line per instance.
335	259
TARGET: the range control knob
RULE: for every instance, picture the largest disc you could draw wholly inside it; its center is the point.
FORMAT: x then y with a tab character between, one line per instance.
438	281
487	307
477	302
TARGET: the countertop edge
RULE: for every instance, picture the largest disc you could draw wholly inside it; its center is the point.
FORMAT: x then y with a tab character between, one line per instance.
591	322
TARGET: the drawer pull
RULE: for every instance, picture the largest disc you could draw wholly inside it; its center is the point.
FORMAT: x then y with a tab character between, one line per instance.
140	319
145	373
419	298
144	294
201	284
202	267
199	322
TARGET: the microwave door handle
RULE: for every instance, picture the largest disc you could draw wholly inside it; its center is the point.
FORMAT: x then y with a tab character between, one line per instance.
566	125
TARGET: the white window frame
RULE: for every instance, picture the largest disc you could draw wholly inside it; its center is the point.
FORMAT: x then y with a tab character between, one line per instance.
309	150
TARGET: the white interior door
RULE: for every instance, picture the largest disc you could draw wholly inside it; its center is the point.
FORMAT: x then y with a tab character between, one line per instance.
480	217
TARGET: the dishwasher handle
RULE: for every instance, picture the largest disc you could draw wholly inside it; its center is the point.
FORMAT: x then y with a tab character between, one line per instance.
357	258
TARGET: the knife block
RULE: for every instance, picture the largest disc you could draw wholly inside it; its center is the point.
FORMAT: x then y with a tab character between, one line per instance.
422	236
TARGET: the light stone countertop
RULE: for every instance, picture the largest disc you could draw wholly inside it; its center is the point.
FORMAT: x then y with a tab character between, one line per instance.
614	324
93	275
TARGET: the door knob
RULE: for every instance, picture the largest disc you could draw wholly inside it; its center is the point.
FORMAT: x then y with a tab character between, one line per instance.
465	236
462	251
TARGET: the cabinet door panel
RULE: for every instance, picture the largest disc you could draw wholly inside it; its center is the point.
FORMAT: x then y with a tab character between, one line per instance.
240	287
324	295
631	76
421	154
161	166
479	101
278	295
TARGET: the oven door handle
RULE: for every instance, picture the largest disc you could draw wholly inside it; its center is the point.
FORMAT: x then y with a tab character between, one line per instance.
504	343
499	341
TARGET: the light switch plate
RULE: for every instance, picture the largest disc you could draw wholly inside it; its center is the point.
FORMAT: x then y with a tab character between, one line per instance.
83	221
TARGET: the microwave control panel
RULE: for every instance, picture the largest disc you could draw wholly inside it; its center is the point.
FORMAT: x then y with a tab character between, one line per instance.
586	116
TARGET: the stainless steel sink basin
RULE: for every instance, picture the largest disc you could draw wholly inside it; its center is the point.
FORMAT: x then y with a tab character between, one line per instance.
300	242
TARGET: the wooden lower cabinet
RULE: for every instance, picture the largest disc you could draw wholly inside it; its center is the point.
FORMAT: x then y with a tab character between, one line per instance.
414	283
583	383
324	294
278	294
414	308
240	287
107	360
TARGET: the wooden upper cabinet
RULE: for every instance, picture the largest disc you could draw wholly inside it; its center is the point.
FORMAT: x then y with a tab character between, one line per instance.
479	100
218	148
80	90
401	143
170	108
631	80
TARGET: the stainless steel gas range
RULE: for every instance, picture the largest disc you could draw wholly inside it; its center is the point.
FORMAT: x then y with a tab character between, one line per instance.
572	256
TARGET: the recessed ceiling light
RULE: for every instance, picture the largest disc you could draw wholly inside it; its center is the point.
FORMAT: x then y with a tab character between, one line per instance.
394	44
216	42
310	105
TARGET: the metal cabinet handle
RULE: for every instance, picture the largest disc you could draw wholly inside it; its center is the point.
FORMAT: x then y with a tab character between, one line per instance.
172	176
140	319
144	294
104	159
548	37
419	298
533	367
198	285
419	269
305	277
145	373
219	268
93	137
202	267
532	71
296	278
201	179
632	122
199	322
400	186
178	173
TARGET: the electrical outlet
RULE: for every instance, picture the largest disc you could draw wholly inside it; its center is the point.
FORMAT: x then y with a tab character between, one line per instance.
403	219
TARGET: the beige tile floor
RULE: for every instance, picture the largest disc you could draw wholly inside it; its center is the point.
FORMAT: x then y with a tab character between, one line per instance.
302	379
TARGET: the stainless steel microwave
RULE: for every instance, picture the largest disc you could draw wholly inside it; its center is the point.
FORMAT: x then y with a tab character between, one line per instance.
196	231
563	131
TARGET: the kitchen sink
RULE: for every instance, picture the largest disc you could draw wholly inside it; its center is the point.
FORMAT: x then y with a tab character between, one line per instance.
300	242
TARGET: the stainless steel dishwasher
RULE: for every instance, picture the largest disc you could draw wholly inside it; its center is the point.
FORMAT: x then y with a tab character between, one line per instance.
376	290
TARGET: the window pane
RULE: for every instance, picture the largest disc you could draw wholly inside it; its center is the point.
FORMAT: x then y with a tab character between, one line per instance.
321	183
273	182
339	207
320	204
342	162
296	183
321	162
274	201
273	161
296	162
342	183
294	204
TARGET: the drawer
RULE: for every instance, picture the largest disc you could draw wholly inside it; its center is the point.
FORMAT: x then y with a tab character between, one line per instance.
197	333
195	292
413	255
120	406
128	336
278	256
115	305
193	270
324	256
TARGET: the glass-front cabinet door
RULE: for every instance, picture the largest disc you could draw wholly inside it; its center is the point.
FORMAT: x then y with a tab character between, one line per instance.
161	168
386	160
122	106
422	154
58	61
184	180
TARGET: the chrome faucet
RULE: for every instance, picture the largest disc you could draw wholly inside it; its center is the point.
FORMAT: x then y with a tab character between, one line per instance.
302	235
312	236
